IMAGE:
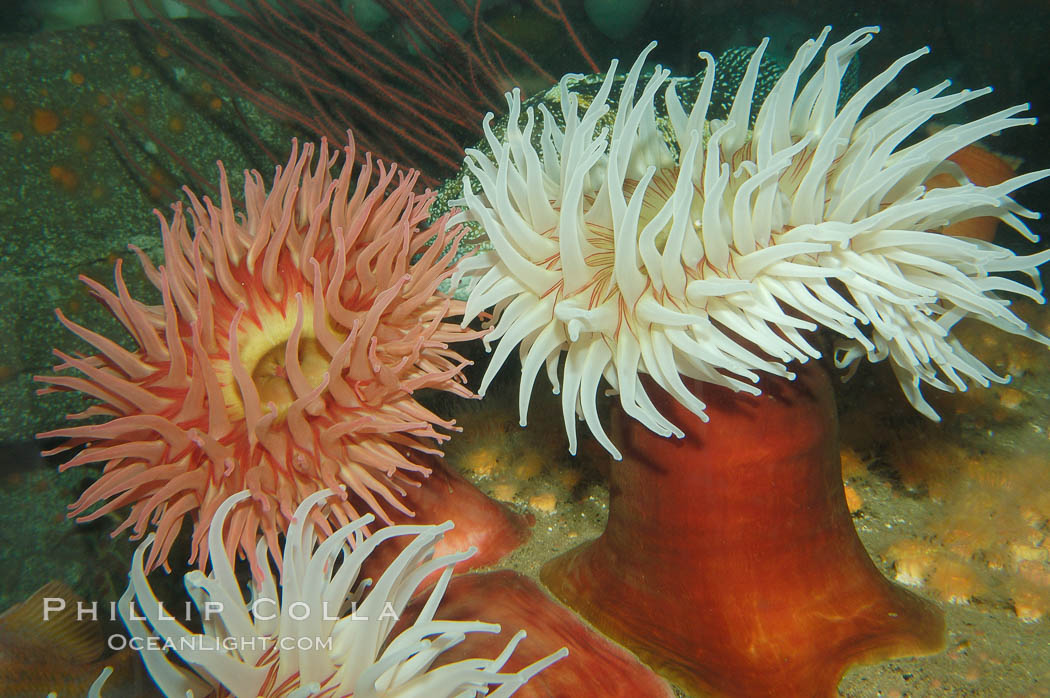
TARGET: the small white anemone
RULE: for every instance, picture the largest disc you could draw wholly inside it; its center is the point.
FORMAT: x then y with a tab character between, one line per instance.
635	252
325	632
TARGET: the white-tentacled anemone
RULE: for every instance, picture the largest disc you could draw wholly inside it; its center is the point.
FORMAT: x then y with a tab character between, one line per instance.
326	632
707	247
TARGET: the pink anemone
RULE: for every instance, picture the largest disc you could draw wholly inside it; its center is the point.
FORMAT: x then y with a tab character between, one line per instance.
283	358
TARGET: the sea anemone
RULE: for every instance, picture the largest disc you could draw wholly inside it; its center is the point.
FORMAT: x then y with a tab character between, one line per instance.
685	254
283	357
326	632
642	237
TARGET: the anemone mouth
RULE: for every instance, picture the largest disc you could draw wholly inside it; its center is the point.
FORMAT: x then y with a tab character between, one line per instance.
264	354
270	374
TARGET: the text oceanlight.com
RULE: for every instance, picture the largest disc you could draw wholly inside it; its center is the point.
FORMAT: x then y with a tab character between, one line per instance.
204	643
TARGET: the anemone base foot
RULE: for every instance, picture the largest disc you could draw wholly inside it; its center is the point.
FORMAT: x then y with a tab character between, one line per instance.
595	665
730	563
481	521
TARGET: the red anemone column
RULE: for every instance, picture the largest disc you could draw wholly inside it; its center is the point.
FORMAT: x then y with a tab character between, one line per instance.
481	522
730	563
